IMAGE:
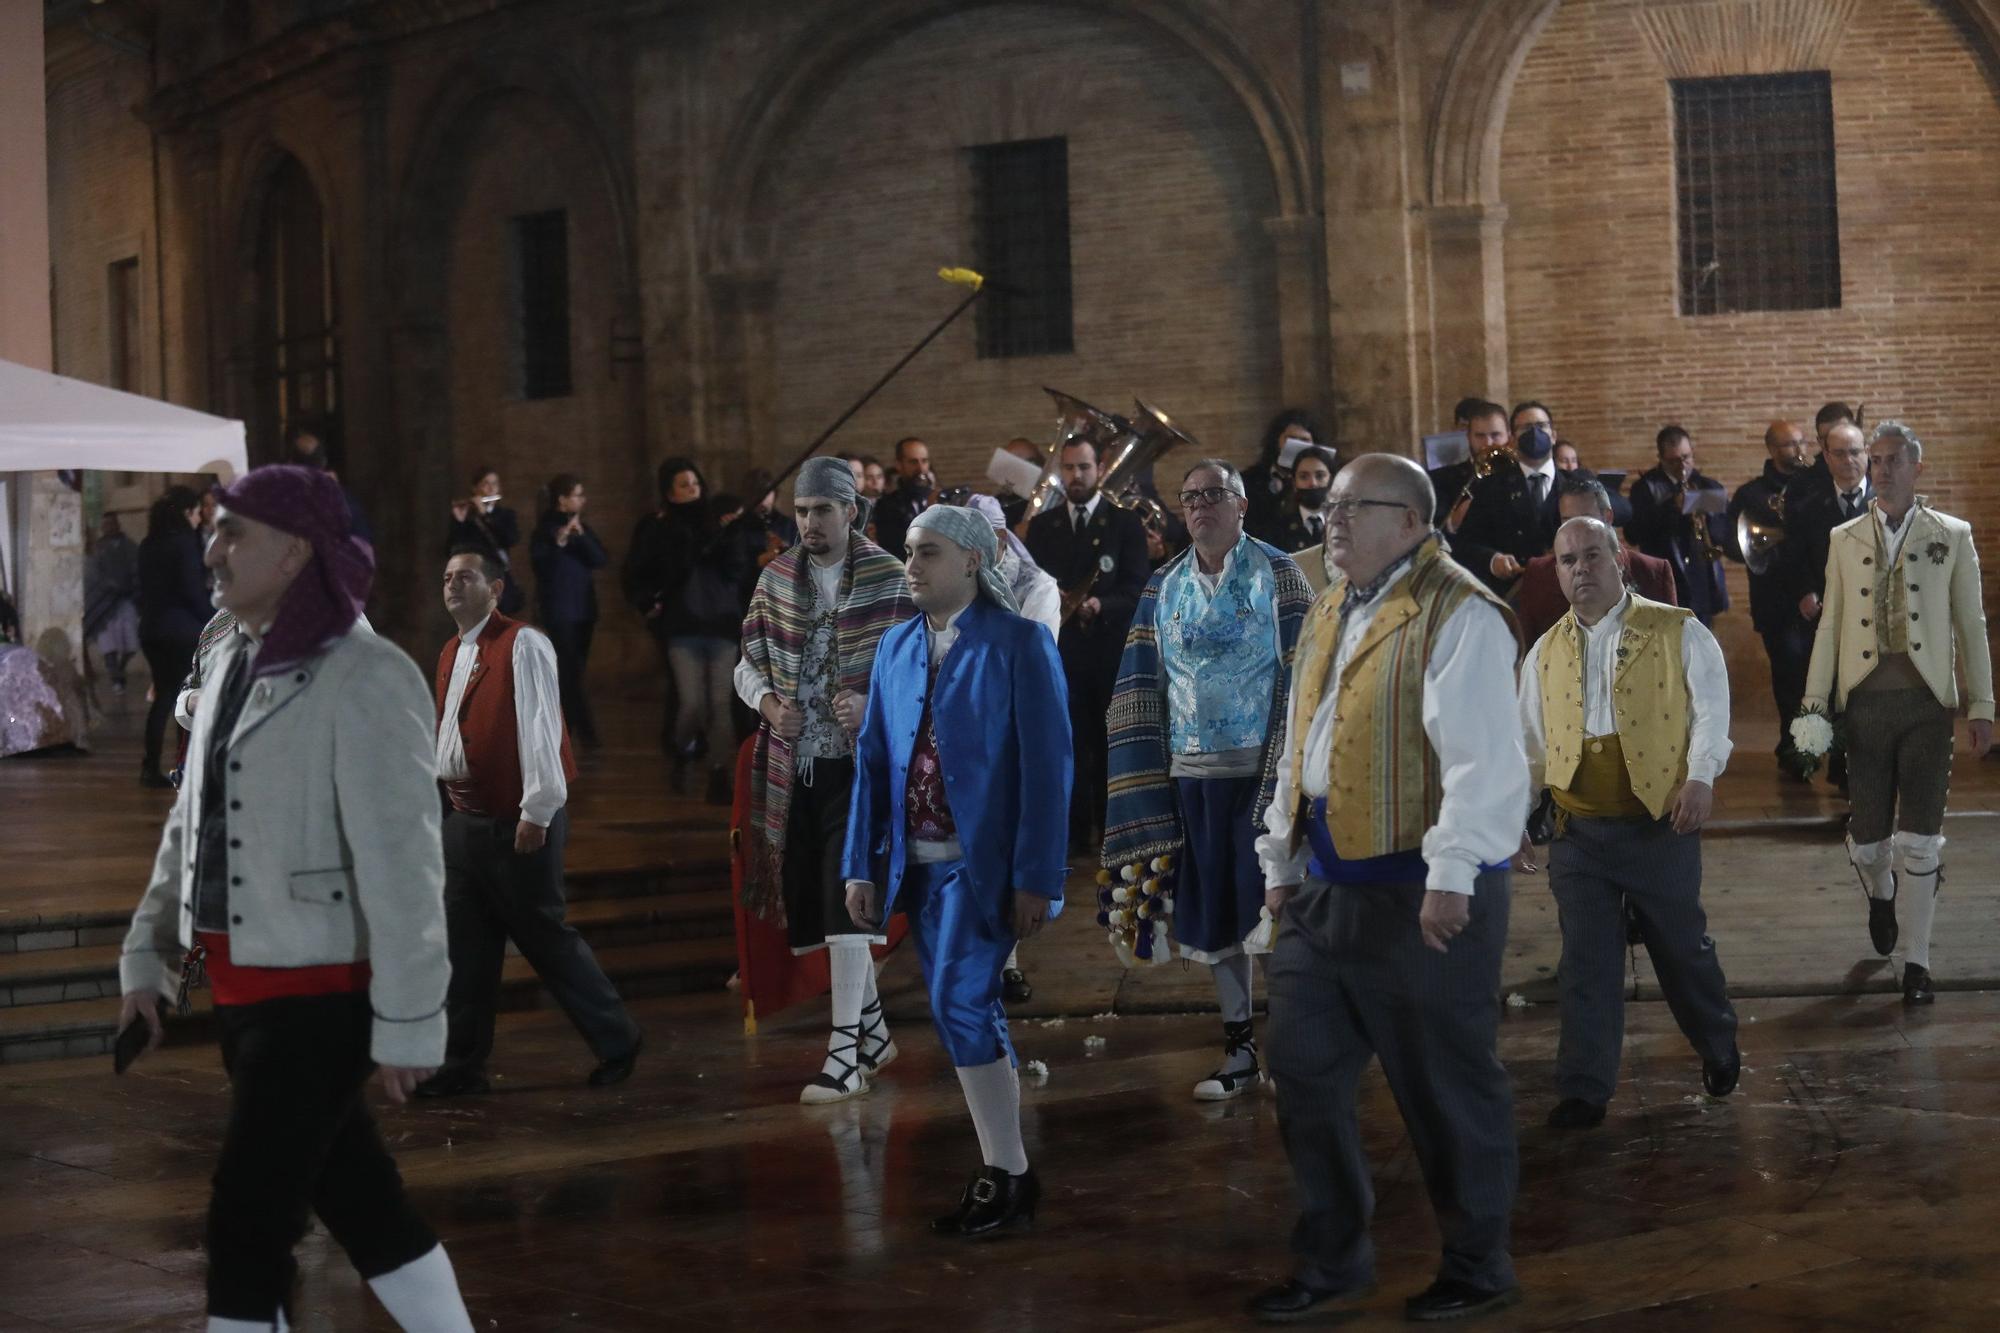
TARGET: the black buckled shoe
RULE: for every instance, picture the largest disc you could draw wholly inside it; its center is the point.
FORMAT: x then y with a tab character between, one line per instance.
454	1081
1882	925
1449	1299
1014	987
1298	1299
1225	1083
994	1204
617	1069
1917	985
1576	1113
1720	1079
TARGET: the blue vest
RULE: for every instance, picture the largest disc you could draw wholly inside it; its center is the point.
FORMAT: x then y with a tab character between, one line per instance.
1220	653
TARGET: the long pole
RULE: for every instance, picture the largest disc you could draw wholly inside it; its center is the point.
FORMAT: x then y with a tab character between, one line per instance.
960	276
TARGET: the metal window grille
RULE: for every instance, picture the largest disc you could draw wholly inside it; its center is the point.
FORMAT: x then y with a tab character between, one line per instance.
1759	221
541	303
1020	203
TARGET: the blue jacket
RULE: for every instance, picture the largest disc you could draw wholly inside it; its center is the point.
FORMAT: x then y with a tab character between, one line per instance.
1002	718
565	576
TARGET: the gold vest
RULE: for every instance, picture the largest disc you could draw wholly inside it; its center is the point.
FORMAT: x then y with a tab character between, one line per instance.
1649	699
1383	789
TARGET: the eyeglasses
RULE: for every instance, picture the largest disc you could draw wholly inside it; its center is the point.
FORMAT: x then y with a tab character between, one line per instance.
1346	509
1208	495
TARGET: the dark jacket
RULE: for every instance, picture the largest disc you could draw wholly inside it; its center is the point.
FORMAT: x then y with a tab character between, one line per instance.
691	572
1289	533
1113	537
1812	512
1773	607
173	587
1660	530
893	515
565	576
496	533
1504	519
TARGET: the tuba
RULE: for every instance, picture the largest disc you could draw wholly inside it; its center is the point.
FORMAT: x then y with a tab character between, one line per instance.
1077	422
1126	457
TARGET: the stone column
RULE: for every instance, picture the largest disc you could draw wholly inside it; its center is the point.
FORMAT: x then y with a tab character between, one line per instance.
1468	302
1305	375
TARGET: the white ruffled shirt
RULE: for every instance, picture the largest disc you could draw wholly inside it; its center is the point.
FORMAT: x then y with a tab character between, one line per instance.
537	721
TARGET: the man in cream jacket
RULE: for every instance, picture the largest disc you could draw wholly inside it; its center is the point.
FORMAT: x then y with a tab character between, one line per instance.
1902	602
307	878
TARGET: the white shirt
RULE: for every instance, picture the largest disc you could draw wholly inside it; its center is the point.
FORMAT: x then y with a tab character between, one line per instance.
1089	508
537	721
1892	539
1702	668
943	639
751	687
1468	713
1546	470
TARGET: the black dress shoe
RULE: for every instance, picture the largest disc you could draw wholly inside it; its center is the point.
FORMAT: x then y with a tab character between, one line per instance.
454	1081
1720	1079
152	777
1014	987
615	1070
1576	1113
1448	1299
994	1204
1299	1299
1882	925
1917	985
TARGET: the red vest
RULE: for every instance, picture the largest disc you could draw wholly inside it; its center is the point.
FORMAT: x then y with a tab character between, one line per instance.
486	721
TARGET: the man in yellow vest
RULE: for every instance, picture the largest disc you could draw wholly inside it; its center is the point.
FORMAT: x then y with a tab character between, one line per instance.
1902	600
1398	802
1625	708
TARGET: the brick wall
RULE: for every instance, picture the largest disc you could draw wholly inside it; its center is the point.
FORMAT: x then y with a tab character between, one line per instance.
1588	178
1172	275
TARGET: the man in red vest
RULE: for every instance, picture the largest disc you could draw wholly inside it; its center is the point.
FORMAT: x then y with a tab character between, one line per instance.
503	759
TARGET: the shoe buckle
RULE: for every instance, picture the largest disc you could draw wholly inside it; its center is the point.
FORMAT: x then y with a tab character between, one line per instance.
985	1190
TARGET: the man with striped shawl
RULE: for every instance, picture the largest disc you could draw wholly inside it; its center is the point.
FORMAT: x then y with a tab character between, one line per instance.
1195	719
809	642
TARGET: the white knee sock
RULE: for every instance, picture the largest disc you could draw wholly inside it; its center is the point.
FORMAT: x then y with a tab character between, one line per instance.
1875	863
853	977
1014	958
422	1296
993	1095
1917	858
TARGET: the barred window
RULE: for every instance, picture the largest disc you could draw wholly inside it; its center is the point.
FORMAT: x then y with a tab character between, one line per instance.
1759	223
1020	215
541	303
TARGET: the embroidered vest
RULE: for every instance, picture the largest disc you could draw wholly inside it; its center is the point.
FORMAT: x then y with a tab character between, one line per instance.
925	805
1384	789
1649	699
486	723
1220	654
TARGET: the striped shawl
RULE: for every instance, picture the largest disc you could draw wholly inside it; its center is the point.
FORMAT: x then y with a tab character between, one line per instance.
874	597
1142	816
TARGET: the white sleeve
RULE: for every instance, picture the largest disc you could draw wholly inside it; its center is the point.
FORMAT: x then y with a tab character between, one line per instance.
538	723
1472	718
1043	603
1533	736
1274	847
751	687
1707	676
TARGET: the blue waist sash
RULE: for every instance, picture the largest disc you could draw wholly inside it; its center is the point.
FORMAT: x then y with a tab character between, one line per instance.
1393	868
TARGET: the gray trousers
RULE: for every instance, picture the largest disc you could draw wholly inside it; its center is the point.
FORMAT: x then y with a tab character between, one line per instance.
1351	979
1898	762
1594	868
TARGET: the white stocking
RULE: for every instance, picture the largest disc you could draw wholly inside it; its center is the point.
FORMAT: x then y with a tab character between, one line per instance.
1917	858
422	1296
1875	862
993	1095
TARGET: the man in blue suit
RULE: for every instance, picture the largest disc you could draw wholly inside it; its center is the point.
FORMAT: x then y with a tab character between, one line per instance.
959	819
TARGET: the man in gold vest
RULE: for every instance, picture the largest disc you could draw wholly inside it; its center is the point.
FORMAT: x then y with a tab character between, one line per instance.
1625	707
1399	794
1902	600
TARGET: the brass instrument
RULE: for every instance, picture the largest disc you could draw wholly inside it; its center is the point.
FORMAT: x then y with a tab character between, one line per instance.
1135	446
1077	422
1757	537
1704	540
1482	468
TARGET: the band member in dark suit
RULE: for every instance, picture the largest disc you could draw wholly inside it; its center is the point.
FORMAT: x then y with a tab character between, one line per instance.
1097	552
915	485
1774	610
1662	530
1302	522
1288	432
1512	517
1486	433
1835	492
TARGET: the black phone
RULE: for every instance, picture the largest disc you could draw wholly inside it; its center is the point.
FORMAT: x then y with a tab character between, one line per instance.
131	1040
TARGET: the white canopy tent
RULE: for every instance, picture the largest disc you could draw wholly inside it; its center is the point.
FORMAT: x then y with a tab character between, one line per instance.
49	423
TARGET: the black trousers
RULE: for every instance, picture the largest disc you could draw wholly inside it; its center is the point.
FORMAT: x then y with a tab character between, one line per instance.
1790	652
815	833
492	894
300	1141
571	641
169	660
1352	979
1091	682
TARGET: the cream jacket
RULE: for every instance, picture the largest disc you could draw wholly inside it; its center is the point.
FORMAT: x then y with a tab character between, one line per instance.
1947	619
334	839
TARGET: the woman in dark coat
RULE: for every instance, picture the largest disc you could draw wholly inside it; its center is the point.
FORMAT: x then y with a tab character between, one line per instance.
173	606
481	520
1267	478
567	555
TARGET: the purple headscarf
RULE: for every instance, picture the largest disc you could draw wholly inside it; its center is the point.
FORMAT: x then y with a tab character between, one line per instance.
327	596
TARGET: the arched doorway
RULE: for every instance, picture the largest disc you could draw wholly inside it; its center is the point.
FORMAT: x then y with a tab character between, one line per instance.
289	360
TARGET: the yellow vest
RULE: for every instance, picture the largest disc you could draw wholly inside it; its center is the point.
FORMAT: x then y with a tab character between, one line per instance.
1649	699
1383	788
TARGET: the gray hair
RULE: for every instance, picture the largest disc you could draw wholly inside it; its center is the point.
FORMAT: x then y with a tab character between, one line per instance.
1595	489
1230	476
1609	533
1912	447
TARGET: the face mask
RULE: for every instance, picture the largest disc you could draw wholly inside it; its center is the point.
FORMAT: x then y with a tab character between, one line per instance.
1535	443
1313	497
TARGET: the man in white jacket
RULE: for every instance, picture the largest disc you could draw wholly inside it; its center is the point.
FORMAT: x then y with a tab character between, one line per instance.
307	878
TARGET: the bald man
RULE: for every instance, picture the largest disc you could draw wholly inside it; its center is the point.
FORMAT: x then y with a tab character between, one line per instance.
1774	608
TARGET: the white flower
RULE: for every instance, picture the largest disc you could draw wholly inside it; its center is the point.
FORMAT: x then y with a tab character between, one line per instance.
1812	734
